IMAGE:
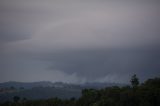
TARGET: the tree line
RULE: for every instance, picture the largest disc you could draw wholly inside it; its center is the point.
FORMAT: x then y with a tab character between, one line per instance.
145	94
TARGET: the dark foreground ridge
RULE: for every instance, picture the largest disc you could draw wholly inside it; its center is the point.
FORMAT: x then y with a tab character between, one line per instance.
145	94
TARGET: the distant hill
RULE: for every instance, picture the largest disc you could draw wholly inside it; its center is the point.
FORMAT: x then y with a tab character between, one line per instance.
26	85
97	85
29	85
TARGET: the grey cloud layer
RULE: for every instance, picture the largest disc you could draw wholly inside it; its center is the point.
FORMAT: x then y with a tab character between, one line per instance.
79	40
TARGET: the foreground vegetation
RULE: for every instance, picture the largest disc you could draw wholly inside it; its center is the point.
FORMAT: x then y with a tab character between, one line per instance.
145	94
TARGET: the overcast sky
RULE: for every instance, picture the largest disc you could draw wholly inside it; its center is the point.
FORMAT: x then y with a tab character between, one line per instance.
79	41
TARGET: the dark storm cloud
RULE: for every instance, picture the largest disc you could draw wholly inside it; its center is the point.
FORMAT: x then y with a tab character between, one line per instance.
97	64
10	34
78	41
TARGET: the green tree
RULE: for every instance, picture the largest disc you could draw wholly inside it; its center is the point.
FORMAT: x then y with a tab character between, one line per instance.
16	98
134	81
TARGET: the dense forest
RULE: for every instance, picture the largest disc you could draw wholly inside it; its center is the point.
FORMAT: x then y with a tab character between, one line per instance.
145	94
